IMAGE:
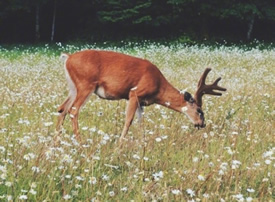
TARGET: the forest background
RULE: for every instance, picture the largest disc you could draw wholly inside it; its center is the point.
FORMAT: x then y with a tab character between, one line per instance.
31	21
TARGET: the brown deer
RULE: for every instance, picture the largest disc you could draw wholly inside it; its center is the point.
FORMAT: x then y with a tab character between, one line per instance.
115	76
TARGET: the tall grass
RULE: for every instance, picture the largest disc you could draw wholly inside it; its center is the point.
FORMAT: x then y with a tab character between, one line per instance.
164	159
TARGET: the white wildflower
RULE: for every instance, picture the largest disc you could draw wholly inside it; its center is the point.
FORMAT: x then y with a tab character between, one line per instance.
35	169
8	184
235	164
268	154
85	128
105	177
92	180
164	137
158	139
100	132
67	197
32	191
184	127
145	158
135	156
111	193
229	150
2	149
106	137
221	172
158	175
124	189
96	158
238	197
176	191
267	95
249	199
33	185
48	124
79	178
205	195
190	192
29	156
23	197
195	159
267	161
250	190
92	129
111	166
68	176
9	198
201	178
211	164
67	158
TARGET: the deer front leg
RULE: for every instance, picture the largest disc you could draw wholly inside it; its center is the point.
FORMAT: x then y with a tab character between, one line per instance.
130	113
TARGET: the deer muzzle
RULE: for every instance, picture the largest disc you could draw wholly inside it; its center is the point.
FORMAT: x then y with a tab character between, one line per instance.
201	123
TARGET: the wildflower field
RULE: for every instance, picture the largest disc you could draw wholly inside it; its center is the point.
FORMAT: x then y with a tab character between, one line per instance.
165	158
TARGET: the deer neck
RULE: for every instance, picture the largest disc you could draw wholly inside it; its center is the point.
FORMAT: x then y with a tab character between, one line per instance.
171	98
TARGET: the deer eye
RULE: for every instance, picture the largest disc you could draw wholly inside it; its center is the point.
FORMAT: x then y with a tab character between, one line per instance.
188	97
191	100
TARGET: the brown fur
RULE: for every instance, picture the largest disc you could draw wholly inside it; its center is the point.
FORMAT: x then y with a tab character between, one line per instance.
122	77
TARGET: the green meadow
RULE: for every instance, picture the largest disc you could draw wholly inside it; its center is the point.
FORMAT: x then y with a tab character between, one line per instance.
163	159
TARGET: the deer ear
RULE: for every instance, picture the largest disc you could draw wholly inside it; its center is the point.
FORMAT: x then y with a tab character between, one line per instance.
188	97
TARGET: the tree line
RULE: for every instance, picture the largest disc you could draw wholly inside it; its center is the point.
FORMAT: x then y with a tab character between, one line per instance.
63	20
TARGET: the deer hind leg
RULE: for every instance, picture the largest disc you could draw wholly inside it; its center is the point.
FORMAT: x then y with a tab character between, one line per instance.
63	110
81	97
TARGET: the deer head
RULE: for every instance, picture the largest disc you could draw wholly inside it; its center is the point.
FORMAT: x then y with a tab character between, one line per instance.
193	108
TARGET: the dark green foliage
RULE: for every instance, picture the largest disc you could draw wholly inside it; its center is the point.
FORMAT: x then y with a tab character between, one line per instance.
30	20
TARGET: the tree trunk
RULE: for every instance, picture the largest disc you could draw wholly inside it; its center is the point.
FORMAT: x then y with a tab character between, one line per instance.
53	23
37	25
250	28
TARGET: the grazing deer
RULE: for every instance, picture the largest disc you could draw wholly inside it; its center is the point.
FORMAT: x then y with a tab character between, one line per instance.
115	76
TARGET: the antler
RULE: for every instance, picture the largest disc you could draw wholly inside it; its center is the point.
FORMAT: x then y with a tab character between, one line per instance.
207	89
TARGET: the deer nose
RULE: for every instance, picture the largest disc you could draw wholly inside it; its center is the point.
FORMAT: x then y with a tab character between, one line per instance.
201	114
202	125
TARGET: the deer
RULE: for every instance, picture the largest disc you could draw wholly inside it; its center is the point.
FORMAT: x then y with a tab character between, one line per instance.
115	76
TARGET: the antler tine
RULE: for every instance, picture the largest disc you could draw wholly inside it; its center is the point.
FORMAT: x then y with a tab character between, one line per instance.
207	89
203	77
216	85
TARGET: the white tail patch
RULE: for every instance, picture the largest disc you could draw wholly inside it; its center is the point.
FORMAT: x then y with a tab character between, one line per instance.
64	57
71	85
